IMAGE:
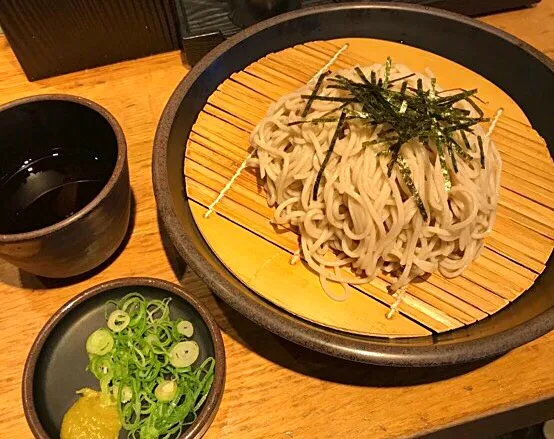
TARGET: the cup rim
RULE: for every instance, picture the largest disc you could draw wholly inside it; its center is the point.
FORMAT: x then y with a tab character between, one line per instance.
6	238
211	406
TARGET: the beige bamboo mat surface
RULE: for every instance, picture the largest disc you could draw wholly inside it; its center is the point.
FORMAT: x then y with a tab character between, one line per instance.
240	234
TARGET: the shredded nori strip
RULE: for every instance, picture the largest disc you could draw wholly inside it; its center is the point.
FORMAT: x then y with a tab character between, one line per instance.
444	169
320	120
409	113
406	173
388	65
464	138
452	157
475	107
433	93
403	88
456	146
407	176
328	155
328	98
481	152
314	92
361	75
392	81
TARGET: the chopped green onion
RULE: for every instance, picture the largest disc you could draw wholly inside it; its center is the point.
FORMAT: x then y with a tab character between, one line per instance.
184	354
166	391
142	362
118	320
126	393
100	342
185	328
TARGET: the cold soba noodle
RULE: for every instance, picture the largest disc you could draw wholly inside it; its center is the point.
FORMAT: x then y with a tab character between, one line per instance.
379	169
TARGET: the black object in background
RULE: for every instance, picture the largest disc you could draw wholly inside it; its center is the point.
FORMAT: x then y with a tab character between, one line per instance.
51	37
206	23
245	13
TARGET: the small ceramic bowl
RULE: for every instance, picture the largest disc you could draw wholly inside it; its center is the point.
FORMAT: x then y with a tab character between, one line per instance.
64	185
55	367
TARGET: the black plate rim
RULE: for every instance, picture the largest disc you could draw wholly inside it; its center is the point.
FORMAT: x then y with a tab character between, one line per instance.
279	321
211	405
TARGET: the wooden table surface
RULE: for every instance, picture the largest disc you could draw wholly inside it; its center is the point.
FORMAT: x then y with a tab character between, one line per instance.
275	389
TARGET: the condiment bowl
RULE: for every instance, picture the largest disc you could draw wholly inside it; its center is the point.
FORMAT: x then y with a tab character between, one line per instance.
55	367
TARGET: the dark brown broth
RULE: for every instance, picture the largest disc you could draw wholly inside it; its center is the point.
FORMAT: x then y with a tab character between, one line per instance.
48	189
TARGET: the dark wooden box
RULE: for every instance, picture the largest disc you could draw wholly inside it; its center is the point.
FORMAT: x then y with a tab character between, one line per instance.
51	37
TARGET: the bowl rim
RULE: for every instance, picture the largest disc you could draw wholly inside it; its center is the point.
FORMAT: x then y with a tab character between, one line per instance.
210	407
280	321
6	238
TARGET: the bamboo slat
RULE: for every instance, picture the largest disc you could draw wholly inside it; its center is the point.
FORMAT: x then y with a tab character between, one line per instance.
258	253
302	287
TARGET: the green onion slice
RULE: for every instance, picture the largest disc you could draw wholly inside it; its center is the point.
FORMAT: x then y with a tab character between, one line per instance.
118	320
143	363
183	354
184	327
125	395
166	391
100	342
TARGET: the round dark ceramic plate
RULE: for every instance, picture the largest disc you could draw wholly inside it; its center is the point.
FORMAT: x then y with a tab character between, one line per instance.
55	368
523	72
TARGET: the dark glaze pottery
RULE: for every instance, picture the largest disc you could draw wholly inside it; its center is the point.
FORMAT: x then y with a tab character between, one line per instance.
55	367
85	239
523	72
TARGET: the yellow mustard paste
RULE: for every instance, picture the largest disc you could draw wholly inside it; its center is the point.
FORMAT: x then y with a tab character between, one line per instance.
91	417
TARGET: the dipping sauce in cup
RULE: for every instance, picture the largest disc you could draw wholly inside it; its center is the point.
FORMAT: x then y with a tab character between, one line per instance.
64	185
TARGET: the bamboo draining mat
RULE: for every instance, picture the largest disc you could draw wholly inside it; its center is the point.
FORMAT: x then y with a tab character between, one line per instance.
258	253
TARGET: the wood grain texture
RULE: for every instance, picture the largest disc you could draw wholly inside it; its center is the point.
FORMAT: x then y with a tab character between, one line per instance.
274	389
52	37
220	142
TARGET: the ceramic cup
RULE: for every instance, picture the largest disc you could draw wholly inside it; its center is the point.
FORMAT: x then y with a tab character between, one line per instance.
64	185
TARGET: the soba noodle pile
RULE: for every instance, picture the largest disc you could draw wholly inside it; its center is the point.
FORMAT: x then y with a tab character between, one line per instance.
363	220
